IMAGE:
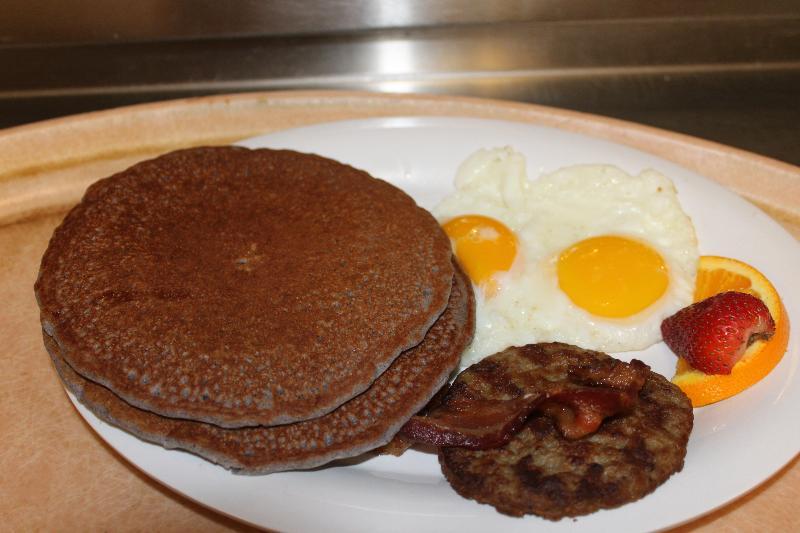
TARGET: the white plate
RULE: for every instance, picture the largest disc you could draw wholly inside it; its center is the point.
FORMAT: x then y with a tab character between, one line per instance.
735	445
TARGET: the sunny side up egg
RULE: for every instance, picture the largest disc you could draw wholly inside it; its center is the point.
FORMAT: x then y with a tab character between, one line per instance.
588	255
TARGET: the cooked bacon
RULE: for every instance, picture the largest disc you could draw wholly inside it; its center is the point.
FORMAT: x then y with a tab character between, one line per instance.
473	423
611	388
579	412
578	405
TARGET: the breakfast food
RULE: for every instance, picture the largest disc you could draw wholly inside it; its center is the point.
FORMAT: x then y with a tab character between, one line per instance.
540	470
241	287
359	425
717	275
713	334
491	400
598	257
167	308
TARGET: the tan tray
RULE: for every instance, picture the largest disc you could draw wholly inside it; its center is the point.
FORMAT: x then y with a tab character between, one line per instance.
55	473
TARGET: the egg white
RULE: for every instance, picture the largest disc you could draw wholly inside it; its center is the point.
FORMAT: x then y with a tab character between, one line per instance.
549	215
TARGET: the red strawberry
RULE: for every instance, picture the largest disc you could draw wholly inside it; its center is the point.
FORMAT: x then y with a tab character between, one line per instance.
714	333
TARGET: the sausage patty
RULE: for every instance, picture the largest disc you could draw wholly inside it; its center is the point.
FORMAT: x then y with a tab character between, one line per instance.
541	472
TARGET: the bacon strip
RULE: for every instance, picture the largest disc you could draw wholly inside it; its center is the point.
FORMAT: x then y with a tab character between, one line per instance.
579	413
611	388
578	407
477	424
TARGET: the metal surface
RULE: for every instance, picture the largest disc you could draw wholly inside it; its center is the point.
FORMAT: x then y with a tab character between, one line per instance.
37	22
728	71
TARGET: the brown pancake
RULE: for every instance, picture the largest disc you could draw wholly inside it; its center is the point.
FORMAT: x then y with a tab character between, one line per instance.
364	423
540	471
241	287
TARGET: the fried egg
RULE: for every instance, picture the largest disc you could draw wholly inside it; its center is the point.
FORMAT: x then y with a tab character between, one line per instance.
587	255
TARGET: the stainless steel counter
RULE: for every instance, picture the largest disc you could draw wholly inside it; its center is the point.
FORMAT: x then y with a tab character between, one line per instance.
727	72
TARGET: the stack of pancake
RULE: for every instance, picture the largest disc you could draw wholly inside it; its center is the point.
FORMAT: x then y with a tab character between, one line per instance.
267	310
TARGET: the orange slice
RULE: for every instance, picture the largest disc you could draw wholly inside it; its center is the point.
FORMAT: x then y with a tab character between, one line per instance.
719	274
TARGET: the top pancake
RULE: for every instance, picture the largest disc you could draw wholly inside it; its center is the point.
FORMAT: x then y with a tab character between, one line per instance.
241	287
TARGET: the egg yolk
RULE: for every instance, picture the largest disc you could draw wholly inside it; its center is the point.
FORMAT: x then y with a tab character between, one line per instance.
612	276
483	247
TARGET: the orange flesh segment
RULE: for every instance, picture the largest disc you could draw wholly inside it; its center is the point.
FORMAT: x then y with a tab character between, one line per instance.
719	274
715	281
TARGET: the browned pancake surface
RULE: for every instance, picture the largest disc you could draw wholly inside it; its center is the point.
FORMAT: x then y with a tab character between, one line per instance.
363	423
241	287
541	472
